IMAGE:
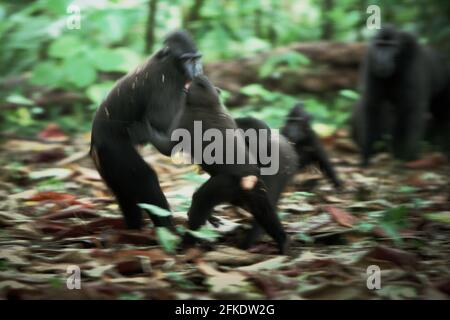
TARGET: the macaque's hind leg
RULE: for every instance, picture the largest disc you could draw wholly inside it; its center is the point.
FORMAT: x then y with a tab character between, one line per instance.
131	180
253	235
218	189
265	215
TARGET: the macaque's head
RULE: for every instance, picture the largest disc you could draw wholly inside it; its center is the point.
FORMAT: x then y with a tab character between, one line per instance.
202	93
386	48
297	126
180	51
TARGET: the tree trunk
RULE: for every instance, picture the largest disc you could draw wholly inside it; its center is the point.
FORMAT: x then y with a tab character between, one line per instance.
150	30
327	23
193	14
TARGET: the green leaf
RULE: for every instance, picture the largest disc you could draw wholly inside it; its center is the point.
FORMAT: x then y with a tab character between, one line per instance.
350	94
364	227
131	296
304	237
443	217
19	99
98	92
167	239
194	177
303	193
65	47
395	216
130	59
155	210
79	72
107	60
292	59
255	90
180	280
23	117
205	233
393	220
57	282
406	189
59	173
47	74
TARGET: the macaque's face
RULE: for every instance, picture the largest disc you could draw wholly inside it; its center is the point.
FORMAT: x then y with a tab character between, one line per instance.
384	52
297	125
181	51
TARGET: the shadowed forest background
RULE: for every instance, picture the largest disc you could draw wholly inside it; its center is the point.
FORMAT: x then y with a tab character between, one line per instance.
55	211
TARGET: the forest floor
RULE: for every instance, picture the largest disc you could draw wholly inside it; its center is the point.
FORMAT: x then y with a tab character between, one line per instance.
56	213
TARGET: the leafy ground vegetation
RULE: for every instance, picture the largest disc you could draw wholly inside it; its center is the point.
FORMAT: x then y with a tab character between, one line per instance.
55	212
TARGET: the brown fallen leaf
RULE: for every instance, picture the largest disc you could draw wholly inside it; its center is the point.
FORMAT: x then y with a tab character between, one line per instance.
221	282
47	156
155	255
430	162
50	227
399	257
341	216
92	227
71	212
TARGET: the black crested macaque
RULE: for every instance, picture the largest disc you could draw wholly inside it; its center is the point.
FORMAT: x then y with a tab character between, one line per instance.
406	77
150	96
384	130
298	130
229	182
439	124
275	183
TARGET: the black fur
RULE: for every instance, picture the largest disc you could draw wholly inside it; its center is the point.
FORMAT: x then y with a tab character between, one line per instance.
150	96
275	184
203	104
406	78
298	130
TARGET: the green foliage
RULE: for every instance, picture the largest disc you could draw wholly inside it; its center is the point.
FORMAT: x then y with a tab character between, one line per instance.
293	60
37	45
167	239
205	233
155	210
391	221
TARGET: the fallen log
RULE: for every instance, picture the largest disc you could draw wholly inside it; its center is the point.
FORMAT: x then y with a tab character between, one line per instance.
333	66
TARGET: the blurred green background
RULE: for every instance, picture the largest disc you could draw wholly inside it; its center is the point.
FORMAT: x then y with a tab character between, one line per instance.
50	73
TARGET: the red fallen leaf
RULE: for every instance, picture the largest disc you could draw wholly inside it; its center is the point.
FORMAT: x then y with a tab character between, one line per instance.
50	195
341	216
430	162
52	227
68	199
92	227
379	232
136	238
72	212
130	266
48	155
399	257
52	132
